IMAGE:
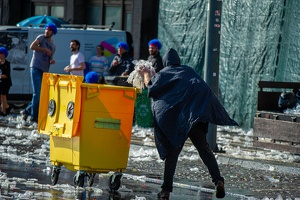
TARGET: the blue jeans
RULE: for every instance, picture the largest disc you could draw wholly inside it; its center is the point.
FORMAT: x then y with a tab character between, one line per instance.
198	138
36	81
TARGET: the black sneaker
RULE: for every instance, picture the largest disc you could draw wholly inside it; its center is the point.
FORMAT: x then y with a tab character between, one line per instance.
220	190
163	195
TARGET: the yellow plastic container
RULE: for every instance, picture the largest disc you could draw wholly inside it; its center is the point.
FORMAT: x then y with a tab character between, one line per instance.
89	124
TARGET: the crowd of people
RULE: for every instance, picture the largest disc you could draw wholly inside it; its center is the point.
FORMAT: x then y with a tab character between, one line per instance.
94	70
182	103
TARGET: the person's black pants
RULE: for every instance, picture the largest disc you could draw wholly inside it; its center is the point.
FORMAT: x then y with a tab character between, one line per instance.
198	138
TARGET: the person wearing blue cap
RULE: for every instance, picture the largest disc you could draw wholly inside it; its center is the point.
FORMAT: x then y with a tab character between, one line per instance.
91	77
5	81
154	55
43	50
122	63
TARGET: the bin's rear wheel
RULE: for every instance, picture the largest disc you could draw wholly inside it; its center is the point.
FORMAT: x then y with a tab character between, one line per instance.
54	175
91	178
115	181
79	179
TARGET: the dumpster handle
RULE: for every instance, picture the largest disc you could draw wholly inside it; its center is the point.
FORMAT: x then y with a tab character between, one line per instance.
57	127
130	97
51	132
90	94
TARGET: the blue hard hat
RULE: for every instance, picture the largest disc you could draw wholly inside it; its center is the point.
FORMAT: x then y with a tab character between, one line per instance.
91	77
52	26
156	43
124	45
4	51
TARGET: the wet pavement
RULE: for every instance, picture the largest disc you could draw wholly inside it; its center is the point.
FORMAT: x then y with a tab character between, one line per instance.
29	181
246	177
250	173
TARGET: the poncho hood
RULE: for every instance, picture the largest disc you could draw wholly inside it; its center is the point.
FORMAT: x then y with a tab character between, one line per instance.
171	58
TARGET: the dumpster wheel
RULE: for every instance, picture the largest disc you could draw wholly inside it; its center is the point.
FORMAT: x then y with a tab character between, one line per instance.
90	179
79	178
55	174
115	181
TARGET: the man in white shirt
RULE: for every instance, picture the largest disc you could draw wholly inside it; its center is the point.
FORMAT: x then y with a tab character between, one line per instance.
77	61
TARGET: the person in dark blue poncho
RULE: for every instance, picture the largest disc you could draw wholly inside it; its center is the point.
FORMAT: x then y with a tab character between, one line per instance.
183	105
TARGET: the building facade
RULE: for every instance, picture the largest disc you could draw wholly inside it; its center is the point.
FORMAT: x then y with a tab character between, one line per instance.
139	17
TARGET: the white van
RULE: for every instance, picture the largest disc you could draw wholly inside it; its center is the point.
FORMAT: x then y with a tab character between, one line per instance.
17	40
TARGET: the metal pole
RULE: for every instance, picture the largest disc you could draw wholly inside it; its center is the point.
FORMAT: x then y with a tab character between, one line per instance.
212	55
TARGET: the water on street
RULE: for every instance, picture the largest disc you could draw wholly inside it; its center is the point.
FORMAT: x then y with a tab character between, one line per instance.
26	172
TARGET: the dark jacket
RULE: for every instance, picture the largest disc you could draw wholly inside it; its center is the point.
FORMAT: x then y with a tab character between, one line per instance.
5	70
181	98
125	65
156	61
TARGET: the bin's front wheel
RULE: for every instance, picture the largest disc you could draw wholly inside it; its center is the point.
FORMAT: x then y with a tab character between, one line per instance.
79	179
91	178
55	174
115	181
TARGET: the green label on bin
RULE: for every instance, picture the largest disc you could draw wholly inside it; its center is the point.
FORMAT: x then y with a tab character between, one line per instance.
107	123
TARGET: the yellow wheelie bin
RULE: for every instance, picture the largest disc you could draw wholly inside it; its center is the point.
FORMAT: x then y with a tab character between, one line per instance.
89	126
